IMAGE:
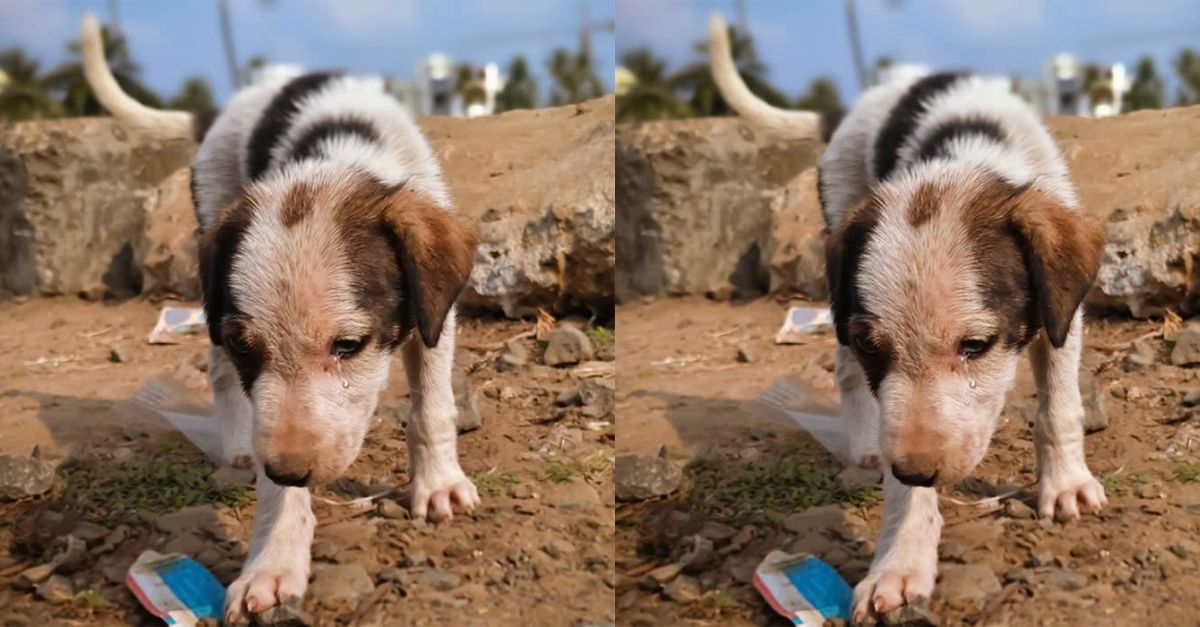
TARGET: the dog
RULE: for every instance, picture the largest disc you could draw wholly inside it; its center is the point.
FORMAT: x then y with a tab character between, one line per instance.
327	241
954	242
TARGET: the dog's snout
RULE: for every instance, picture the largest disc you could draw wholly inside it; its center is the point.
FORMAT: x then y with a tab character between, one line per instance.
916	471
288	470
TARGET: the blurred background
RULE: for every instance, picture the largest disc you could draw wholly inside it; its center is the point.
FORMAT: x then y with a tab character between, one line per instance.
1066	57
463	58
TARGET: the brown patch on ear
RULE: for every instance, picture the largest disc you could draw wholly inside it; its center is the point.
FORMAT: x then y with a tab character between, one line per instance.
925	203
436	252
843	248
297	204
1063	252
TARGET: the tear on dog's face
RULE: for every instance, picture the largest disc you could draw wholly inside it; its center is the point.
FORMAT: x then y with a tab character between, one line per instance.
936	288
309	286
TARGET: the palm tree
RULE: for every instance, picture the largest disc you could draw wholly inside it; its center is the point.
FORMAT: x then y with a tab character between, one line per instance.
651	97
23	95
77	98
1187	66
195	95
822	97
574	78
520	88
1146	92
706	98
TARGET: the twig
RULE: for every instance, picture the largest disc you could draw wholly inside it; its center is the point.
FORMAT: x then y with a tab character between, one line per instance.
495	346
1112	348
96	333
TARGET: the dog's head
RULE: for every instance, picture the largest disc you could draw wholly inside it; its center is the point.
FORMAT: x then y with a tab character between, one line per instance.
936	287
309	286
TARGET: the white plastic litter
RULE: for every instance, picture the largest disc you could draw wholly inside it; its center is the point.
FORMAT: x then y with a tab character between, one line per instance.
796	404
802	321
170	400
174	322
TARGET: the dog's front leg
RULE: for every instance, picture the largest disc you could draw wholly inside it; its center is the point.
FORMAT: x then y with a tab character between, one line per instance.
233	410
860	410
438	482
1065	485
277	567
905	565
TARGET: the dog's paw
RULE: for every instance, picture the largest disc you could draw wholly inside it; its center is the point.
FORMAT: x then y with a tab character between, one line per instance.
259	589
440	498
887	589
865	452
1064	497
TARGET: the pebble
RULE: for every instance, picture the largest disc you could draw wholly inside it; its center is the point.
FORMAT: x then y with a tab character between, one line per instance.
569	397
1185	549
29	577
513	358
1066	579
746	355
684	589
1014	508
1141	356
1018	575
698	554
856	477
641	477
1187	496
664	574
25	475
187	543
717	532
1192	398
440	580
967	582
414	558
558	548
951	551
388	508
290	613
1187	347
823	517
90	532
567	346
228	477
468	418
1041	559
599	395
571	495
915	614
188	518
56	589
341	582
325	551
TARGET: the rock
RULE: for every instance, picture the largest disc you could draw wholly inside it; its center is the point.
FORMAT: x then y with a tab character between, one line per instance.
558	549
1095	414
1187	347
513	358
600	395
855	477
1016	508
289	613
1067	580
414	558
188	518
568	398
440	580
1041	558
1192	398
90	532
25	475
34	575
567	346
464	398
698	554
1186	496
717	532
966	582
188	543
56	589
684	589
118	353
1018	575
951	551
571	495
664	574
1141	356
746	355
539	183
228	477
915	614
1185	549
824	517
166	253
746	185
340	582
641	477
74	185
388	508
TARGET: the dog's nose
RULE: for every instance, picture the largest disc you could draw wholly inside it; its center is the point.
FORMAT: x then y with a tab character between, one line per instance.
918	473
288	470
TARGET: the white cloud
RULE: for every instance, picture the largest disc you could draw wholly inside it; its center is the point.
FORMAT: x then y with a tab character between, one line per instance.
991	18
370	17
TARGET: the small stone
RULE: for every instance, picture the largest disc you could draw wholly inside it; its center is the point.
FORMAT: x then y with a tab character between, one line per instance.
412	559
1147	491
340	582
566	346
520	491
1040	559
1192	398
118	354
1018	575
664	574
188	518
575	494
746	355
823	517
25	475
951	551
568	398
186	543
599	394
641	477
699	554
464	398
1187	347
228	477
916	614
856	477
30	577
1067	580
388	508
1187	497
56	589
1141	356
325	551
1185	549
1015	508
717	532
440	580
966	582
393	575
1095	413
558	549
90	532
290	613
684	589
513	358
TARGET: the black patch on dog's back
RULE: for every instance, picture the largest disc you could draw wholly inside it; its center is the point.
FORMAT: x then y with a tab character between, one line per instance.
306	145
904	118
275	119
937	144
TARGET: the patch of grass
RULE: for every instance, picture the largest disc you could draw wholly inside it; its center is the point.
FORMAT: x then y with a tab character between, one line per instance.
1186	473
489	483
92	600
598	464
765	490
140	490
601	336
1119	484
560	473
719	599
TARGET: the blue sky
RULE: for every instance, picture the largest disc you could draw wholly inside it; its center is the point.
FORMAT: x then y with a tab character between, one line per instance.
175	39
802	39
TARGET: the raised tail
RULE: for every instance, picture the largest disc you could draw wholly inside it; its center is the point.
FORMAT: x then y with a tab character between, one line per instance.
780	121
158	124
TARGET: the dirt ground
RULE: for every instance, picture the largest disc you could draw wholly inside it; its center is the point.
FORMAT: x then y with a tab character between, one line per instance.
545	530
752	485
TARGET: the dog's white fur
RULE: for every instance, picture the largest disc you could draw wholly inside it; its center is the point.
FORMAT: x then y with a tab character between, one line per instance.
924	286
292	281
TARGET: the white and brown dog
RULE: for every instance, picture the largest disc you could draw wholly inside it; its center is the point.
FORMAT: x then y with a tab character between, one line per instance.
327	241
954	241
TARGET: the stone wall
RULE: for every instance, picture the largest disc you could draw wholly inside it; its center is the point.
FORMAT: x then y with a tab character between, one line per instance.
704	204
86	208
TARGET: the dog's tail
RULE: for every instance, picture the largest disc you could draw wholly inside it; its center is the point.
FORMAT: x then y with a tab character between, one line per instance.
157	124
803	124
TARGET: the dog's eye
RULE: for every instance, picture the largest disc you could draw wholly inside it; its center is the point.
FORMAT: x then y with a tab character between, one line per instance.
346	347
236	344
863	344
974	347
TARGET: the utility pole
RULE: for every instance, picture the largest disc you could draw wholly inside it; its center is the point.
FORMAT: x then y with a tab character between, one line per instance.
743	21
114	18
855	44
227	39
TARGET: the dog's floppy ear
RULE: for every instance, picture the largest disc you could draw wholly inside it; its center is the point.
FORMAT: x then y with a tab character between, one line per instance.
843	248
216	246
1062	251
435	250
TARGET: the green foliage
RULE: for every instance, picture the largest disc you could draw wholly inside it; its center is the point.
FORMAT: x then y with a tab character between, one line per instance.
1146	91
195	95
520	88
1187	66
574	78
